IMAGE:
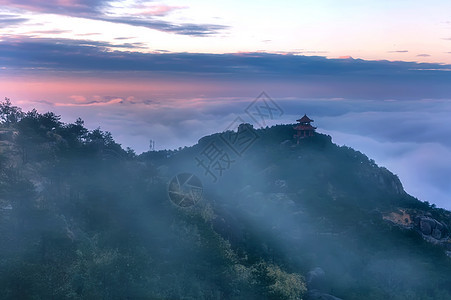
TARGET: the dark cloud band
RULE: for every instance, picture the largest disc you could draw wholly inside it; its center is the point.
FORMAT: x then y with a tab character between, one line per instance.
68	54
9	20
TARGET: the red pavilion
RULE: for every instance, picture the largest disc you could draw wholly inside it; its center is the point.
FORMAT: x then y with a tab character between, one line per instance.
304	128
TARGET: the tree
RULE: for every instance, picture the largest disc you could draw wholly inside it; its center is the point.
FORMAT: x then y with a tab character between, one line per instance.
278	284
50	121
10	114
75	134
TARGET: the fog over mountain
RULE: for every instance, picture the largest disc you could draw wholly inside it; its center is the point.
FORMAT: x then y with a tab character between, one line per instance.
225	149
245	213
409	137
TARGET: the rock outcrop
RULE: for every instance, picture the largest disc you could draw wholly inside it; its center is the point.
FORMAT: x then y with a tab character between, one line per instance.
432	230
316	285
431	227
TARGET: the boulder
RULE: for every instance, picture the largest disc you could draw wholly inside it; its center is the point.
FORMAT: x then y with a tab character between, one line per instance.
431	227
315	278
416	221
427	225
443	228
436	233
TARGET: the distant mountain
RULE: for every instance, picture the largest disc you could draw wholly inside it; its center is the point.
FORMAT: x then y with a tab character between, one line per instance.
245	214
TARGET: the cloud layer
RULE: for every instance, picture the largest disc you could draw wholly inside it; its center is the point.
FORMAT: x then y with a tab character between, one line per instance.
7	20
145	14
304	76
407	137
67	54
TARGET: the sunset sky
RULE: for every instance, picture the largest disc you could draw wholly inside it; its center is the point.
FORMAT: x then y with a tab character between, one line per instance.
376	75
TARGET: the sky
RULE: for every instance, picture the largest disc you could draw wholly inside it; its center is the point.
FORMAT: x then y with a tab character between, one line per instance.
375	75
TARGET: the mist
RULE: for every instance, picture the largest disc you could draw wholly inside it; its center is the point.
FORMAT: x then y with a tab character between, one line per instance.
248	212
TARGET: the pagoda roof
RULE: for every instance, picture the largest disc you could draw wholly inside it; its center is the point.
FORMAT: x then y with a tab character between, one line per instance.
304	127
305	119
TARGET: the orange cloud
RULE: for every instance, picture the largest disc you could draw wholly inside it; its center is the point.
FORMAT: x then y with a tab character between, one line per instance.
78	98
93	103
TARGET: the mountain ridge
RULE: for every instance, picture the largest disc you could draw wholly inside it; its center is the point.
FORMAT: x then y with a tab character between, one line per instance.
83	218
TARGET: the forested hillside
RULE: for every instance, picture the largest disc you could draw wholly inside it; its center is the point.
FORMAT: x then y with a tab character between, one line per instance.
83	218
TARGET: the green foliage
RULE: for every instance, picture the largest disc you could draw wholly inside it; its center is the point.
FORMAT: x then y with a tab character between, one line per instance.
91	220
9	114
278	284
